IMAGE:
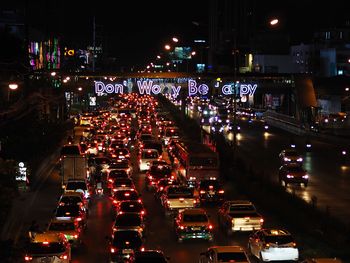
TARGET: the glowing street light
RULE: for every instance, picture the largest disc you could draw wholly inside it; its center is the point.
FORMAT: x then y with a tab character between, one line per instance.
12	86
274	22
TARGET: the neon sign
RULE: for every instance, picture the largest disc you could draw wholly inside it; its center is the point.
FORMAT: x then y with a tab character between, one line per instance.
149	87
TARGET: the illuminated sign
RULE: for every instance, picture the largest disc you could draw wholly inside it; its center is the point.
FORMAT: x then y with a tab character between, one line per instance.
149	87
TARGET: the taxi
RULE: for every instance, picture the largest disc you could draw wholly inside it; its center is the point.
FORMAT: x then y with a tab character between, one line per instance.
69	228
49	248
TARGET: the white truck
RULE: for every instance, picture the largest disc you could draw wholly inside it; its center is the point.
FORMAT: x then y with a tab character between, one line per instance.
73	167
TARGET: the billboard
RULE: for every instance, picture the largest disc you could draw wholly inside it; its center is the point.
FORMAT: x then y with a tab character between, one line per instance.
182	53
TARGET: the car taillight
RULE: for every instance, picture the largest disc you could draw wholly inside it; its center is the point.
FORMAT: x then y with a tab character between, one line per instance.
181	199
76	236
28	258
294	244
142	249
261	220
181	227
113	250
115	202
267	245
202	192
78	219
210	227
221	191
64	256
142	212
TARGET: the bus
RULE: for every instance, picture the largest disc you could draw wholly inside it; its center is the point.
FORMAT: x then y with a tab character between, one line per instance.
195	161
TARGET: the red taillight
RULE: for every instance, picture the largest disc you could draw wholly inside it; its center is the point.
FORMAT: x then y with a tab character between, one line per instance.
221	191
79	219
113	250
142	249
182	227
211	187
142	212
202	192
28	258
261	220
181	199
115	202
210	226
76	236
64	256
127	194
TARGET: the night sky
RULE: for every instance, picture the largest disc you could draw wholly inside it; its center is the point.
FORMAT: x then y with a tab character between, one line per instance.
135	31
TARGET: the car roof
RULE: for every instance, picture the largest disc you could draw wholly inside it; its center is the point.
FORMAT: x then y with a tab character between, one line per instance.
47	237
223	249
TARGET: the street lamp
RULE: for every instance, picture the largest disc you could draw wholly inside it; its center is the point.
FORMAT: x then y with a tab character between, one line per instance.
12	86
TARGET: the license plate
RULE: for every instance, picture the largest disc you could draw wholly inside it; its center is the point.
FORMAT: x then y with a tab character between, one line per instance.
127	251
196	228
212	192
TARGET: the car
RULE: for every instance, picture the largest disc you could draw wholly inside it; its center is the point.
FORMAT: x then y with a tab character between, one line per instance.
78	186
273	244
123	244
293	174
239	215
193	224
48	247
149	256
75	212
121	164
224	254
73	198
290	156
115	174
146	157
157	171
131	221
161	185
70	228
131	206
122	184
210	191
122	195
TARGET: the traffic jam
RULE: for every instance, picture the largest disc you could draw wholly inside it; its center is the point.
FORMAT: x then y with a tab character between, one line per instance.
135	137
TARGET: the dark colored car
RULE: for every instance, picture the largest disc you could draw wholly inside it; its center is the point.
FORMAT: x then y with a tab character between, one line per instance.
293	174
149	256
124	243
211	191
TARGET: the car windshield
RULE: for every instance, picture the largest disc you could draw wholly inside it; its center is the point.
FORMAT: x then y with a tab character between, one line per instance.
128	220
70	200
76	186
126	195
100	161
280	240
232	257
38	248
122	182
176	192
150	155
61	226
160	169
67	211
131	207
118	173
195	218
242	208
207	183
127	239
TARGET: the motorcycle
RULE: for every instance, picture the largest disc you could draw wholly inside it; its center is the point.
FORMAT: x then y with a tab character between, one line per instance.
99	189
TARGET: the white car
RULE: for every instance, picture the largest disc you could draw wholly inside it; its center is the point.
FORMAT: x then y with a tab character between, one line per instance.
273	244
146	157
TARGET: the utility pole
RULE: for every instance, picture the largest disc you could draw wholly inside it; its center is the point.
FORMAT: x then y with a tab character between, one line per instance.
93	43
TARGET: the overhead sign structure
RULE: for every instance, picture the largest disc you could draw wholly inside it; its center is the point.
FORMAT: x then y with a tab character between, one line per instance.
149	87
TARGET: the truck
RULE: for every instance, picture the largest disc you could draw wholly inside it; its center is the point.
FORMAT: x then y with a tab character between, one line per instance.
73	167
239	215
178	197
